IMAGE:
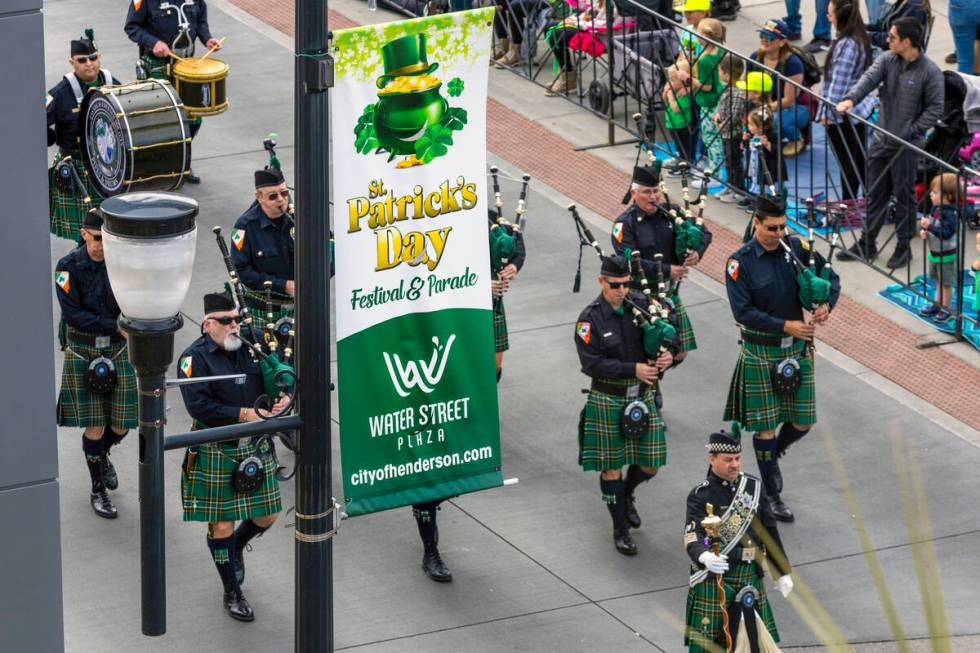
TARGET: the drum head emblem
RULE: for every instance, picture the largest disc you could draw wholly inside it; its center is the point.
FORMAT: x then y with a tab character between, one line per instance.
206	95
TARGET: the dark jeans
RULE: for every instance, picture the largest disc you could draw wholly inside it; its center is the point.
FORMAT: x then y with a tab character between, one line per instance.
848	141
684	141
734	161
510	19
890	175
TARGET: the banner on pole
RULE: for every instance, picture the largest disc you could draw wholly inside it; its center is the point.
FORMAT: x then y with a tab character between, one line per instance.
416	374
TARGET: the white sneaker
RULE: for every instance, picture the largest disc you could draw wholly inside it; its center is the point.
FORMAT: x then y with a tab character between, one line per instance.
723	196
730	198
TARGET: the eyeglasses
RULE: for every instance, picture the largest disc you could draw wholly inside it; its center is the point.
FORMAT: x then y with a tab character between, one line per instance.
227	319
776	227
616	285
274	195
92	57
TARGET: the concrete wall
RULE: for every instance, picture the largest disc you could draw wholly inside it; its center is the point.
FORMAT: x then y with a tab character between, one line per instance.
30	547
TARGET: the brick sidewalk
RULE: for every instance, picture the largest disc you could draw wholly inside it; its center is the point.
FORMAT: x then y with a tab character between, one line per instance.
937	377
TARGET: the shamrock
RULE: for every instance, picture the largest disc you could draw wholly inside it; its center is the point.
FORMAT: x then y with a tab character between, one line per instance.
455	87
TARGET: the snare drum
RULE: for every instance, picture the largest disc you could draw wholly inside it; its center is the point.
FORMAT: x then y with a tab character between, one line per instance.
135	137
200	83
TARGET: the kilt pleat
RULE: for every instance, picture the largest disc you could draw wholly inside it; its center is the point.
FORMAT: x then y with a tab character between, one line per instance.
207	484
67	210
602	446
500	340
704	619
79	407
685	330
751	398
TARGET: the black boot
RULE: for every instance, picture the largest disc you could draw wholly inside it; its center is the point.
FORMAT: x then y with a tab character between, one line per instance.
102	505
634	477
614	495
223	553
247	530
859	250
772	479
900	257
237	606
99	498
624	542
788	435
191	178
432	564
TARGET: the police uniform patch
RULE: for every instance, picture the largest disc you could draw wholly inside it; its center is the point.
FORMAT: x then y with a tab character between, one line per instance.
48	100
584	331
185	366
617	232
238	238
732	269
61	278
137	4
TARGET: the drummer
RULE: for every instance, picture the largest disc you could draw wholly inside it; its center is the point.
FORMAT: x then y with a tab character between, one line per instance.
165	27
67	208
263	247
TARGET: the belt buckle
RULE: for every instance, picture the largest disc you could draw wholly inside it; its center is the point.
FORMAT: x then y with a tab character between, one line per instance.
101	342
786	342
633	391
748	554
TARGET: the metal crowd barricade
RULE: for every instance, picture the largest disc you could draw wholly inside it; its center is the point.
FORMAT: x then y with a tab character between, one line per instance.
627	75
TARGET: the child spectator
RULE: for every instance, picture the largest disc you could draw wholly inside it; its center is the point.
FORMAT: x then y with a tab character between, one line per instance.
677	111
763	157
706	87
940	231
729	118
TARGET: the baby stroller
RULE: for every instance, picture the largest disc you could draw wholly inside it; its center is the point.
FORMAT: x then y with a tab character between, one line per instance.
639	59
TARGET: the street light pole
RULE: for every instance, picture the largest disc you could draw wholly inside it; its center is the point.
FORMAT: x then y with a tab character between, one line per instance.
314	503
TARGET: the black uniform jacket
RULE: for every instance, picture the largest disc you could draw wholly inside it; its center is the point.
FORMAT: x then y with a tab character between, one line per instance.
610	342
263	249
217	403
650	234
148	22
520	253
719	493
762	288
86	299
62	110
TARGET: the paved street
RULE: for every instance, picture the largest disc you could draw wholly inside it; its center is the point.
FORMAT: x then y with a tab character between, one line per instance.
534	565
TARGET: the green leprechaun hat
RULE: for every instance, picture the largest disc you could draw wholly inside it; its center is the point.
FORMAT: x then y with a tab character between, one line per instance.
405	56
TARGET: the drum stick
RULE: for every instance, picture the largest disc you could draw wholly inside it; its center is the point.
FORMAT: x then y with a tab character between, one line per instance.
176	56
208	53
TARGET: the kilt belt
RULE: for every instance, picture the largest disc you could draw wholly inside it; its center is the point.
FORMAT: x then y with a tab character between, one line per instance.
685	330
751	398
79	407
601	443
66	211
705	625
501	342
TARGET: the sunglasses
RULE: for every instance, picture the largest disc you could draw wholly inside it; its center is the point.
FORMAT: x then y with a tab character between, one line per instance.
274	195
616	285
775	227
92	57
227	319
97	237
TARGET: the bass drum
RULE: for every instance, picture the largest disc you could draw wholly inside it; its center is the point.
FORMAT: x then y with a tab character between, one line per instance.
135	137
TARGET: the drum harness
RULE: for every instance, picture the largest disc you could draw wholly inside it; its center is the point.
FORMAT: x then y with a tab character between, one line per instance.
183	36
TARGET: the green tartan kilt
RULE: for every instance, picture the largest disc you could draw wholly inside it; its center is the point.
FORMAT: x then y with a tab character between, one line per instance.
207	484
601	446
500	340
160	69
282	306
685	330
751	399
67	210
79	407
702	603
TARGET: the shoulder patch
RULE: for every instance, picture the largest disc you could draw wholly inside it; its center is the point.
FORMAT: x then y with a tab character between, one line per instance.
185	366
732	269
48	99
238	238
584	331
62	280
617	232
137	4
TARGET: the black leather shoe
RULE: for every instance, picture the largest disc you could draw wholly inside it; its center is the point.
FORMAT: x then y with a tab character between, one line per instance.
434	567
624	543
900	257
237	607
191	178
780	510
632	516
102	505
858	251
109	476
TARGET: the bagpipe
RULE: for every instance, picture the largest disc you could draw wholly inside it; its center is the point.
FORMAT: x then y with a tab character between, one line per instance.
814	287
503	233
658	332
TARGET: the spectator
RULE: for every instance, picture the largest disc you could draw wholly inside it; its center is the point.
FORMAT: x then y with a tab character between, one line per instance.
677	109
559	36
706	88
785	101
911	91
767	170
821	27
849	57
940	231
964	20
694	12
509	23
729	121
891	11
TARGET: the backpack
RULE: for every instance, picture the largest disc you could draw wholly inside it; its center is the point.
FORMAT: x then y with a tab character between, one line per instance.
812	73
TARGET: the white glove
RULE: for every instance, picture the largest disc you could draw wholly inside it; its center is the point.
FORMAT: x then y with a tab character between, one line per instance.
784	585
716	564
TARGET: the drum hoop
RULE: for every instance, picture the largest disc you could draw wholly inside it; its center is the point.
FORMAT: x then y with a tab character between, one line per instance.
131	167
183	135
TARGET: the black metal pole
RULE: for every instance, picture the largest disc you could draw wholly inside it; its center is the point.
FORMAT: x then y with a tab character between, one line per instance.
314	549
151	350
